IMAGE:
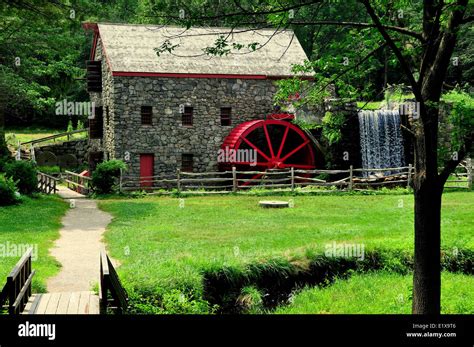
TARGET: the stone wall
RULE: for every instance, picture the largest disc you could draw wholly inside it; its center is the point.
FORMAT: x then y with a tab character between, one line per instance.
78	148
167	138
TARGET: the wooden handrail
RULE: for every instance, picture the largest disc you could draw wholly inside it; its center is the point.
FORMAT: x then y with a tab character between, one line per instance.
47	183
110	283
52	137
17	290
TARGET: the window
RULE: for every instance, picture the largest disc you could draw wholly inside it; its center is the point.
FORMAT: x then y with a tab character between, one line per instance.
147	115
96	125
187	162
226	113
187	117
94	75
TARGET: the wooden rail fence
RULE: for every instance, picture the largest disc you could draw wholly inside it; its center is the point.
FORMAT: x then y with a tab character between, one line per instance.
289	179
17	290
54	137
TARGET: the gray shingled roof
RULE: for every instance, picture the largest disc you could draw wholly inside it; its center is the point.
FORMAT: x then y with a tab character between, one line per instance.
131	48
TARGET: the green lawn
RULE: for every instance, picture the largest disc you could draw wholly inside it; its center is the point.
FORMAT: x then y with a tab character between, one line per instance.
162	246
13	135
36	222
379	293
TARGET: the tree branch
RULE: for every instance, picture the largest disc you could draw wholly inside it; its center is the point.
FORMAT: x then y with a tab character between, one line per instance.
400	30
359	63
451	165
395	49
467	19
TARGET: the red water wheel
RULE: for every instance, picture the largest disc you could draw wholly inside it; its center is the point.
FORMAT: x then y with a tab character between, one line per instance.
277	144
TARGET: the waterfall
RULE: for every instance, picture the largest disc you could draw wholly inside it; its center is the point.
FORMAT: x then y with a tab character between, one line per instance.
381	142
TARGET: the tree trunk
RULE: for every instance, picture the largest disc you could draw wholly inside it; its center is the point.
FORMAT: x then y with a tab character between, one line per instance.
427	265
427	192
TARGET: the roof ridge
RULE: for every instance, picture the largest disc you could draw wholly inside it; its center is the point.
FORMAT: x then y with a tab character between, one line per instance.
195	26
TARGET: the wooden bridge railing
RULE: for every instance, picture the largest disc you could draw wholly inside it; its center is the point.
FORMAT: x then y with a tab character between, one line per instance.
81	184
110	284
47	183
17	290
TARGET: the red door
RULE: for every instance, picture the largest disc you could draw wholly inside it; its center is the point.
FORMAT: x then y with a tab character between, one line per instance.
146	169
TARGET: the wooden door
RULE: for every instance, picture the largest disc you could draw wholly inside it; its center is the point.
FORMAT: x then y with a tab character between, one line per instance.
146	169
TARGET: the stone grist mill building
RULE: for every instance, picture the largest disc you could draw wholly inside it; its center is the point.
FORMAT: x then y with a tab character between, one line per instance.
176	110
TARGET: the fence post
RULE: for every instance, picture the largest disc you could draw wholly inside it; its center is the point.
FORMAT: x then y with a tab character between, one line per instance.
469	173
292	179
351	178
178	183
409	176
234	179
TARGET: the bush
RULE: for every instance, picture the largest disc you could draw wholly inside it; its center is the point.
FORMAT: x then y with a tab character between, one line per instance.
4	161
105	175
8	193
24	173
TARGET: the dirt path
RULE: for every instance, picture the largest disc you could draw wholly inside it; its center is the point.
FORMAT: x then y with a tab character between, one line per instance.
79	244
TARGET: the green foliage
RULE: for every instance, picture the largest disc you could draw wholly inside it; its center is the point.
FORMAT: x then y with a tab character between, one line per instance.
80	125
105	175
49	170
8	191
24	173
250	300
397	94
332	124
461	117
43	56
173	302
4	161
458	125
69	127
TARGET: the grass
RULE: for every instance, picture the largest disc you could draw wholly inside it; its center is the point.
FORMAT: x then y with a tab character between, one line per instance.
458	97
380	293
369	106
162	246
36	221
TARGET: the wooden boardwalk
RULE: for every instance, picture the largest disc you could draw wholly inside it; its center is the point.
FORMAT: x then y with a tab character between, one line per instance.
63	303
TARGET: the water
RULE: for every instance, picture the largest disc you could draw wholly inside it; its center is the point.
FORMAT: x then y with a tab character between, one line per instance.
381	141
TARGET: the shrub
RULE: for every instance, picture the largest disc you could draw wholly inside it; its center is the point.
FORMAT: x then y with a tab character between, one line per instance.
8	193
24	173
4	161
173	302
69	127
105	175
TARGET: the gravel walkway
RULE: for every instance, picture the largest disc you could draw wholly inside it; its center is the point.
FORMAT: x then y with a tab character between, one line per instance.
79	244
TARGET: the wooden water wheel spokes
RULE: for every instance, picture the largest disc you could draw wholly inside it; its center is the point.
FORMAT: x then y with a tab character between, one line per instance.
271	144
